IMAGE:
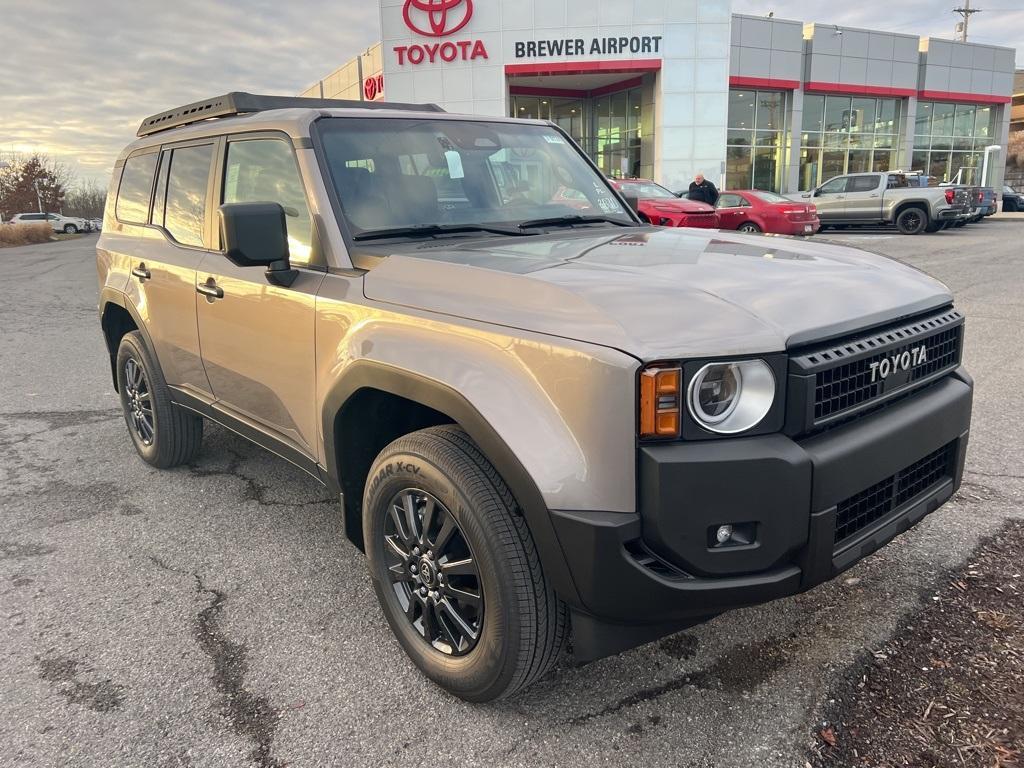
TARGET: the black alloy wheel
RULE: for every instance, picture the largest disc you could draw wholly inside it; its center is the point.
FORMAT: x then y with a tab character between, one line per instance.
139	402
434	575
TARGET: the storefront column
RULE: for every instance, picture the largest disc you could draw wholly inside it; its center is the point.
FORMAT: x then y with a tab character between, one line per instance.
791	178
905	153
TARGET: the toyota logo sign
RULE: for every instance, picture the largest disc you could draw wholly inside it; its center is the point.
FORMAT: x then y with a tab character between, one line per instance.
437	18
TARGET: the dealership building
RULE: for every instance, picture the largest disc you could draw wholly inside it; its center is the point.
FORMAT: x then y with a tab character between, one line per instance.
668	88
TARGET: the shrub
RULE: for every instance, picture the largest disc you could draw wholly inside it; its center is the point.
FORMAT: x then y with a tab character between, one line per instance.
23	234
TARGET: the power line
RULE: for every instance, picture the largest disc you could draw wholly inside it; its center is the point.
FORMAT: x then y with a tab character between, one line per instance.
961	28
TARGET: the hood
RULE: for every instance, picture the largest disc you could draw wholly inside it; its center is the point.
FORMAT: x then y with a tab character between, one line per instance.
658	293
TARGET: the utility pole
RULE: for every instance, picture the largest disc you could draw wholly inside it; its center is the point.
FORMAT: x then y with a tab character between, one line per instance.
961	27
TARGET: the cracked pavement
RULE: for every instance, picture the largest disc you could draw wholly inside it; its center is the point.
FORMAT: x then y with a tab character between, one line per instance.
214	615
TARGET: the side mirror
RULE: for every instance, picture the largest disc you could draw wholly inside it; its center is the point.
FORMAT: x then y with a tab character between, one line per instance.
256	235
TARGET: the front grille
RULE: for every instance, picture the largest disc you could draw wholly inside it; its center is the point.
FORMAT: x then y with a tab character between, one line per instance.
848	376
872	504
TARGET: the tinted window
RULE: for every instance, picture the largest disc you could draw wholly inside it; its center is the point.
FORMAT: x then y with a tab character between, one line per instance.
133	194
187	180
863	184
834	186
731	201
264	171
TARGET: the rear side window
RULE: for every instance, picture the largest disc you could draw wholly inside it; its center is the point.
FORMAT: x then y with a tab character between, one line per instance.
185	204
264	171
136	184
863	183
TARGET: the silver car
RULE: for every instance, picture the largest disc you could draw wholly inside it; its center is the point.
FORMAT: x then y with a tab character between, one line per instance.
541	417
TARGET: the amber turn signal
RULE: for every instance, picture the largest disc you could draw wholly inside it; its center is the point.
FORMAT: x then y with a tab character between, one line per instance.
660	402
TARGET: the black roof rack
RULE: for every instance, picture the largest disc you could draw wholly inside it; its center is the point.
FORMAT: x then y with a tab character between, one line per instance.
239	102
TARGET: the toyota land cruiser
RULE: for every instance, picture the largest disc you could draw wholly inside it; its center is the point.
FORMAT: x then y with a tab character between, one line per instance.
537	416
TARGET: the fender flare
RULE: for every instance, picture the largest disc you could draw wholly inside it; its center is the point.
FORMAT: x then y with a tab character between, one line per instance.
109	296
367	374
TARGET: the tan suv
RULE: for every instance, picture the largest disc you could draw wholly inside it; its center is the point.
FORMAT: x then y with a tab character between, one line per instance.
536	415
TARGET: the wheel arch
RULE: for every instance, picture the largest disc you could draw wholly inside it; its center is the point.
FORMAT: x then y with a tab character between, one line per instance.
416	402
922	205
117	317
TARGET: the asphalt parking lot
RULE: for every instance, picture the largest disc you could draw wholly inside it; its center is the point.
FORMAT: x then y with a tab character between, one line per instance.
216	616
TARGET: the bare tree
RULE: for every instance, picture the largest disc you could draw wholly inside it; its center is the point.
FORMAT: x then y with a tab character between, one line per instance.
87	200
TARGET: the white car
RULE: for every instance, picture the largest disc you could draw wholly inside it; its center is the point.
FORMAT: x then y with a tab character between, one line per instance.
68	224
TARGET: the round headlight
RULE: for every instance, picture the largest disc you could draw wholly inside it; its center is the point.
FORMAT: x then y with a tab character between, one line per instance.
731	397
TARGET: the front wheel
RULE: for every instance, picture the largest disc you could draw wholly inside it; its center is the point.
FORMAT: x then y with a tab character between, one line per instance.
749	227
455	568
911	221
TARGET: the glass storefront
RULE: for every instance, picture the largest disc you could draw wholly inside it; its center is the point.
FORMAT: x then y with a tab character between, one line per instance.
608	127
843	134
755	155
950	140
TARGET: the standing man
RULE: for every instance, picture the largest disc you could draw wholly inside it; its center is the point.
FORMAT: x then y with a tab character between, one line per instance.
702	190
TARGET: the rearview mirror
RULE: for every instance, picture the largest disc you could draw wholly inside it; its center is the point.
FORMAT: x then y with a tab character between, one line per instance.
256	235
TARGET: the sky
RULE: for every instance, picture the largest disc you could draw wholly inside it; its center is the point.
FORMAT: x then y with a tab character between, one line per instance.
78	76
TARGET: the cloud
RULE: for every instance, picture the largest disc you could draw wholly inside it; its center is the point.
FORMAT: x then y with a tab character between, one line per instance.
76	79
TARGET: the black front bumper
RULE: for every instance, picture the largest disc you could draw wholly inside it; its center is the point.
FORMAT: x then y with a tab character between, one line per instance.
643	575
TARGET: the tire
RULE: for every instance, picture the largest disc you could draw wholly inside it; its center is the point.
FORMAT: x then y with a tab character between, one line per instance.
174	435
749	227
911	221
520	625
70	229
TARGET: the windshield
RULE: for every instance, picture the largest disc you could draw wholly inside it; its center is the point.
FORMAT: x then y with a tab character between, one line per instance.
643	190
395	173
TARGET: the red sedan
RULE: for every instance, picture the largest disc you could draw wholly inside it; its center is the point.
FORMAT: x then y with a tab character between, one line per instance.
663	208
756	211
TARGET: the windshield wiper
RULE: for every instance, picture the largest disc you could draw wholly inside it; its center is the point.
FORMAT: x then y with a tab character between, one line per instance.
431	230
569	221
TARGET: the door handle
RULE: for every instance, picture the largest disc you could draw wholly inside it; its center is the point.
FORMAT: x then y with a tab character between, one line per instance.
210	289
142	273
873	194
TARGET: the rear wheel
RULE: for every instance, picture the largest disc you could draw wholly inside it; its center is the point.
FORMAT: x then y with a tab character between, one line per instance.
164	434
911	221
748	226
70	229
455	568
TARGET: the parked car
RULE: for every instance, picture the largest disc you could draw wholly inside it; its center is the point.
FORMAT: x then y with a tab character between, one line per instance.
985	200
95	225
533	417
885	198
752	210
1012	200
68	224
662	208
